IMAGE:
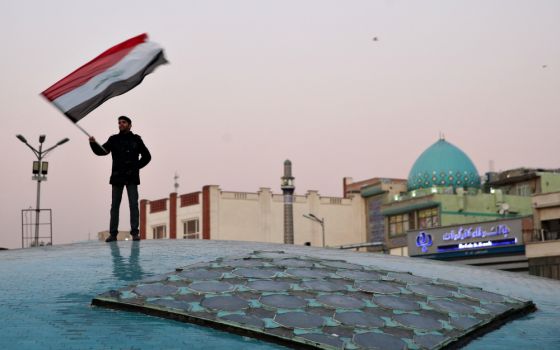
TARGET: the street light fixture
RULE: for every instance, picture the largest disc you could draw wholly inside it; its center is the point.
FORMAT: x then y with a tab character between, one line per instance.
40	170
319	221
63	141
21	138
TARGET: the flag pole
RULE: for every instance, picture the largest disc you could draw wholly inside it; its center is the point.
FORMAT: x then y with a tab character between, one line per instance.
75	122
83	130
88	135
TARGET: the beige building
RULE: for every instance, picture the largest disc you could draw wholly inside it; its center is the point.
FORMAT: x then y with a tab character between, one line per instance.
245	216
543	251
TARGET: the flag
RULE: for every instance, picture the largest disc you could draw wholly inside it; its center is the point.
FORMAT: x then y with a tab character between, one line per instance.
114	72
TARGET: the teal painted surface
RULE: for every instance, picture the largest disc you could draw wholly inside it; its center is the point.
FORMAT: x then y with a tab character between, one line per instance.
45	296
443	165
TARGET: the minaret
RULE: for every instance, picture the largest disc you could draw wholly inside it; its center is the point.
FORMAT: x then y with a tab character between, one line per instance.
288	192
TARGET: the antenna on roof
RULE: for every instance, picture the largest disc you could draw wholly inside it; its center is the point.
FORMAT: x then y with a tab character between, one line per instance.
176	185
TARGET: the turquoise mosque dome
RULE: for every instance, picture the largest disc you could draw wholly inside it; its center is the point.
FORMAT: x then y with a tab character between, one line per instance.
443	165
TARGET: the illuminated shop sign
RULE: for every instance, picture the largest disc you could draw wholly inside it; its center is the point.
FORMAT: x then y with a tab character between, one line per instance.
472	245
424	241
482	236
463	233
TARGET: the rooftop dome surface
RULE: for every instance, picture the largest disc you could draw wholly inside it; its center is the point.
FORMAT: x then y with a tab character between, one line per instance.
46	294
443	165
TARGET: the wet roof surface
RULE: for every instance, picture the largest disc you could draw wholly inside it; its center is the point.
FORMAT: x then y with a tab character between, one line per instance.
298	299
46	294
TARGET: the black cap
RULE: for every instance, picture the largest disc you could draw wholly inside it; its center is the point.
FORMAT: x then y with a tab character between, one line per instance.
125	118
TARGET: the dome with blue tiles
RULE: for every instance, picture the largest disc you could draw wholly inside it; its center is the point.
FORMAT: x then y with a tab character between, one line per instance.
443	165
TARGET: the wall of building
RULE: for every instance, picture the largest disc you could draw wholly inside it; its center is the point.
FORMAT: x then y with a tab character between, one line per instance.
546	206
550	182
239	216
544	259
462	208
548	267
521	187
456	208
544	251
156	216
259	217
188	211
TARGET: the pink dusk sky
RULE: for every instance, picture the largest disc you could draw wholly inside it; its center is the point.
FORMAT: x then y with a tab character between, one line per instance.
252	83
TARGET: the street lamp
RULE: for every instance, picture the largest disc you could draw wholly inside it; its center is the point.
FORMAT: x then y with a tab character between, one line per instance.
40	170
319	221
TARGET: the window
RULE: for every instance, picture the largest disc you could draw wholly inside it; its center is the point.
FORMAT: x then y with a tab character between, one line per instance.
191	229
523	190
428	218
159	232
159	205
398	224
189	199
412	220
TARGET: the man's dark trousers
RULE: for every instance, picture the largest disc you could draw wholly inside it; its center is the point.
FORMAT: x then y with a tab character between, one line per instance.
132	191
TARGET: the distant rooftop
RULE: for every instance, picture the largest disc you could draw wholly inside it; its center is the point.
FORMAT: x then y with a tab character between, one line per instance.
517	175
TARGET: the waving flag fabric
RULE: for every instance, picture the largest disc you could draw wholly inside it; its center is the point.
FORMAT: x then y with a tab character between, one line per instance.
114	72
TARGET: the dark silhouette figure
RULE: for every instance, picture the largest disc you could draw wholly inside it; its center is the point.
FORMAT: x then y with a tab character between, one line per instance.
129	156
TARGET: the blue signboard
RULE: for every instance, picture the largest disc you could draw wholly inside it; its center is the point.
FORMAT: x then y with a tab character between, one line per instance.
466	237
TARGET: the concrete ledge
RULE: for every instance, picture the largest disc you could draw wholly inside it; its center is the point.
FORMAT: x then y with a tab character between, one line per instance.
542	249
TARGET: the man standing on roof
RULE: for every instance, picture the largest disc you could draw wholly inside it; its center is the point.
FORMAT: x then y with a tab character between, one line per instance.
129	156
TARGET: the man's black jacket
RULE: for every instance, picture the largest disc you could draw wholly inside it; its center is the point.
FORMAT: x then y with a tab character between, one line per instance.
125	148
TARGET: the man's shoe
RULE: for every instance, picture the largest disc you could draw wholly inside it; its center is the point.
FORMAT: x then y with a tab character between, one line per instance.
111	238
135	237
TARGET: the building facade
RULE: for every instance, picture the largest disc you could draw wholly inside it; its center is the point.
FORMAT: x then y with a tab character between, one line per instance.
543	250
443	189
509	221
444	193
224	215
375	192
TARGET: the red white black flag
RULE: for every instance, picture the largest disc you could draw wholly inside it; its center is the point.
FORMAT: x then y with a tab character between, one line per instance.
114	72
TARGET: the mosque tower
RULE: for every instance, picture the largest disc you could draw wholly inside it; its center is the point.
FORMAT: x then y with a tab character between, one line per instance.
288	188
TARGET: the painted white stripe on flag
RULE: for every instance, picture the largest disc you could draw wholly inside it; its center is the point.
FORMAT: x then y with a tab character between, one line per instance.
131	64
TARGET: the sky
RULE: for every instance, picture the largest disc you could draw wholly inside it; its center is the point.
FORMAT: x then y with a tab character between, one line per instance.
252	83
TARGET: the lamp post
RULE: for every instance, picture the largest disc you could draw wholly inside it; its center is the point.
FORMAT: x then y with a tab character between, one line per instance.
40	170
319	221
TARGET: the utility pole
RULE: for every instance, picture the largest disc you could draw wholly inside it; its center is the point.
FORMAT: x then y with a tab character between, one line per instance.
40	170
319	221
